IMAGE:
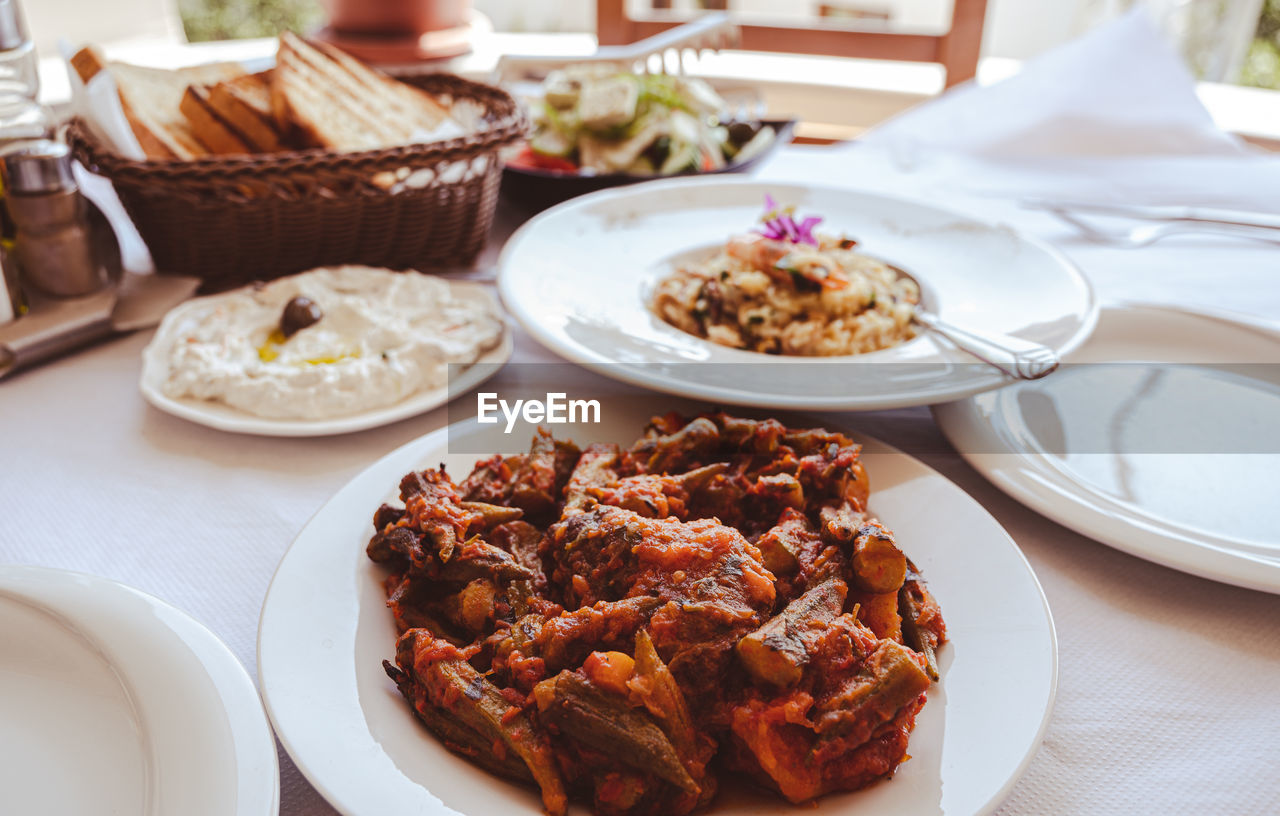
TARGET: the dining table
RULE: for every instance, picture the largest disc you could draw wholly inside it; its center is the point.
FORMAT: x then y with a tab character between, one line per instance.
1166	697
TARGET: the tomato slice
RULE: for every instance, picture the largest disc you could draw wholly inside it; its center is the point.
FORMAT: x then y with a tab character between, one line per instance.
527	157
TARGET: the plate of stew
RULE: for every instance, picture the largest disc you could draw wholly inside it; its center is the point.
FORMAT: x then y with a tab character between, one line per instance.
678	610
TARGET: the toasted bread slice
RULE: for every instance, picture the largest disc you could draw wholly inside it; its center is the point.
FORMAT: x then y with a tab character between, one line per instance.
318	118
152	99
335	101
244	104
416	107
208	127
87	62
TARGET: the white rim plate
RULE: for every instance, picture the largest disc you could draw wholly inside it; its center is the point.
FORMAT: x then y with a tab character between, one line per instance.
225	418
115	702
578	278
325	630
1199	512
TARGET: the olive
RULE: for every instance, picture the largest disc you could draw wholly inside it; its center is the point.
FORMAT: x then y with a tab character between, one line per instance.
299	313
741	132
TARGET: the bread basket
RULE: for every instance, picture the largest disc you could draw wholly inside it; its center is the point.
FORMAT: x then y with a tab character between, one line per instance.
235	219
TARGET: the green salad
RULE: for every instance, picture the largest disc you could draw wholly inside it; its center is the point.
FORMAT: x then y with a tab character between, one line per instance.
596	120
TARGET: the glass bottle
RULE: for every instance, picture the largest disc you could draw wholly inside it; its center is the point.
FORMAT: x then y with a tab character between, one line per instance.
22	118
19	68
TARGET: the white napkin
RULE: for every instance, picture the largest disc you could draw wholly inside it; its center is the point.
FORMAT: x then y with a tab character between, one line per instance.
1120	90
98	104
1111	117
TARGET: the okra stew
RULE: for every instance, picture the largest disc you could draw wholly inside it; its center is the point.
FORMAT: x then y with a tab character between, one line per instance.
626	626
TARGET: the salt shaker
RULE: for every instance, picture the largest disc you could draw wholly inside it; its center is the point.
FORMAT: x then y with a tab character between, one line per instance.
53	242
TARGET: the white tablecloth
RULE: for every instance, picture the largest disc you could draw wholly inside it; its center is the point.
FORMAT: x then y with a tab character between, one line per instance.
1167	697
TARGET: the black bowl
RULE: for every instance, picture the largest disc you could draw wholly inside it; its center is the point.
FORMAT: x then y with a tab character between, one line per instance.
538	189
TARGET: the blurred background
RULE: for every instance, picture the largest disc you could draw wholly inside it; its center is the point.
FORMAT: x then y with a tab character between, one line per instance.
1234	41
843	67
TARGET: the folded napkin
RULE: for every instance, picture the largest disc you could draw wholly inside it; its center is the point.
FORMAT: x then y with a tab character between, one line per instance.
1120	90
1111	117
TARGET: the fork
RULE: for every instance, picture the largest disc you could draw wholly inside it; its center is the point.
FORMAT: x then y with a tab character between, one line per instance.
1018	358
1021	359
1147	234
1170	221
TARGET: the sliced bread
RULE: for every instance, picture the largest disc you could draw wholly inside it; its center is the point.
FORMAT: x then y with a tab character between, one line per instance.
152	100
244	105
209	128
335	101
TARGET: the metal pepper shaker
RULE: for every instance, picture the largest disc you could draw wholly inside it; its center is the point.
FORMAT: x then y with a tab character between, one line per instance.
53	242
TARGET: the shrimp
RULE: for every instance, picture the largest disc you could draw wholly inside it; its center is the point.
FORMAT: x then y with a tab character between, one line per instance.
788	262
760	252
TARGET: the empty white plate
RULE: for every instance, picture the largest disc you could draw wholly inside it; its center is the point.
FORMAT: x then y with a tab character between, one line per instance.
1160	437
112	701
325	631
579	278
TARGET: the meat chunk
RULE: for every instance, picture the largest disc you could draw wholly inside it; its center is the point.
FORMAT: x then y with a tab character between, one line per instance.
532	481
843	724
712	582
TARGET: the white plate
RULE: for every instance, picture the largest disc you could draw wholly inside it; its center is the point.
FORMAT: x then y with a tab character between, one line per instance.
225	418
578	278
114	702
1088	448
325	630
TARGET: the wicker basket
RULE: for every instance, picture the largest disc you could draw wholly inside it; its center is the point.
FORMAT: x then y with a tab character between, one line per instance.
231	220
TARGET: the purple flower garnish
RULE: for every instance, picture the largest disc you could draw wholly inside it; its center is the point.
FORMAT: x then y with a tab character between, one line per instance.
780	224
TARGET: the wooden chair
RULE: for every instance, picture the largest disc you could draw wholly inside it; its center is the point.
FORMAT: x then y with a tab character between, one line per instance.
956	50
